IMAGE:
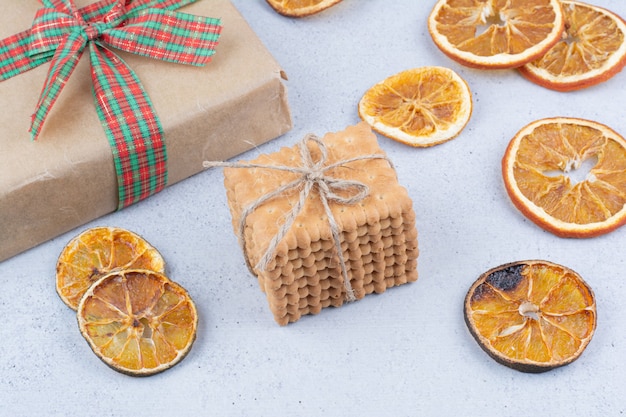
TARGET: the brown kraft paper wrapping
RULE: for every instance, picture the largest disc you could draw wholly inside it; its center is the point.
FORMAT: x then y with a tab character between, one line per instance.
67	178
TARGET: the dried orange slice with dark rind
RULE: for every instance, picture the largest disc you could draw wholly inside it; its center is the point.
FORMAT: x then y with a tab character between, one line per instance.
419	107
532	316
96	252
592	50
535	170
300	8
138	322
495	34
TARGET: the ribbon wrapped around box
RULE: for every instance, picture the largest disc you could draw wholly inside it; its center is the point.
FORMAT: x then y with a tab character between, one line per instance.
322	223
89	160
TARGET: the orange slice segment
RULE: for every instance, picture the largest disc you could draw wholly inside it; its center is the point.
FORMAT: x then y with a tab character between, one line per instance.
419	107
537	166
138	321
592	50
96	252
495	33
300	8
532	316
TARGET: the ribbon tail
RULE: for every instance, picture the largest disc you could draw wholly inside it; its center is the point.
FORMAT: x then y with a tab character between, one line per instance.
131	125
64	62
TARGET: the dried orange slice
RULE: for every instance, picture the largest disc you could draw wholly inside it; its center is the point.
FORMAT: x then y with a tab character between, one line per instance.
419	107
495	33
539	162
97	251
532	316
300	8
592	50
138	322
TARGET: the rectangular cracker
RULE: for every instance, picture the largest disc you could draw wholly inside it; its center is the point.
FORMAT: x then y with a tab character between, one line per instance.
378	236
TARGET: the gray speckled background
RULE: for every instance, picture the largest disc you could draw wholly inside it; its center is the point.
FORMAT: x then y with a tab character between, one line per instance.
405	352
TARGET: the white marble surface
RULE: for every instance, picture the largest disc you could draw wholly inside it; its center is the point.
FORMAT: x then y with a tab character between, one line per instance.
403	353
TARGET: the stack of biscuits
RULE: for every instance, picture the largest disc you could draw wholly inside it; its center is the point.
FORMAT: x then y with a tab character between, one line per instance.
377	234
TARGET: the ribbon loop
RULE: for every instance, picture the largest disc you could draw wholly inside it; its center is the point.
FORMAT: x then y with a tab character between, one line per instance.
169	36
115	16
48	30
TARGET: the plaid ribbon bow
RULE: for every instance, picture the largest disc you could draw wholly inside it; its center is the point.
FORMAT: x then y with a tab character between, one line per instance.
61	32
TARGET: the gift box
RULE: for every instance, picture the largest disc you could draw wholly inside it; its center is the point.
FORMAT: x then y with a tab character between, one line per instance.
68	176
323	222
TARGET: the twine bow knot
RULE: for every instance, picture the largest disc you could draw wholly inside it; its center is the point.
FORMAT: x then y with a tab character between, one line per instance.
312	174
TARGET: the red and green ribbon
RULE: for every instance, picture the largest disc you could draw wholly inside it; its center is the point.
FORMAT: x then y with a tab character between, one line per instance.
61	32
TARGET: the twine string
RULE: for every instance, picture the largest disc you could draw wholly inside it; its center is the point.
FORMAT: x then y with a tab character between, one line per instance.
311	174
